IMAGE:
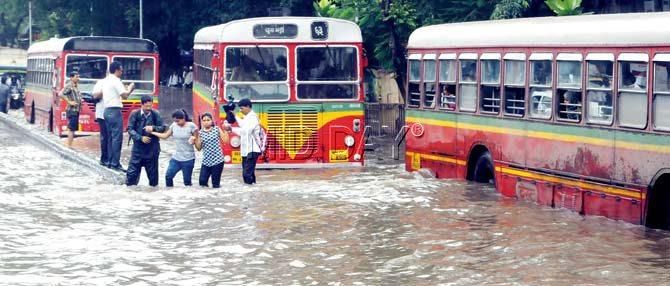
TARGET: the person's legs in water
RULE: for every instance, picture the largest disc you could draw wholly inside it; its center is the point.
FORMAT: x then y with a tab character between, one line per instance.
187	171
216	175
248	168
114	120
204	175
72	126
104	156
151	167
172	170
134	169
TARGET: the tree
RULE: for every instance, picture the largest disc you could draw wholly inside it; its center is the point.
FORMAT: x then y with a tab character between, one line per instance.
508	9
565	7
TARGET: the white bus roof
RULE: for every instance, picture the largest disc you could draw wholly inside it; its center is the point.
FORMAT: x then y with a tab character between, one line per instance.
634	29
242	31
93	43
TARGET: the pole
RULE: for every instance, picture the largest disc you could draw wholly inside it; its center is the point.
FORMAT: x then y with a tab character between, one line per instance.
140	19
30	23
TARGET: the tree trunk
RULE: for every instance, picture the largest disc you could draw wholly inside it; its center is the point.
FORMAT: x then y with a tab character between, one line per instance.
397	51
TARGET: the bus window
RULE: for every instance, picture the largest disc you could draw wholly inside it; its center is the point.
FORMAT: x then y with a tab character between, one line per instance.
662	93
257	73
138	70
541	95
632	108
468	85
91	68
515	81
429	86
414	89
490	86
599	91
569	90
327	72
447	84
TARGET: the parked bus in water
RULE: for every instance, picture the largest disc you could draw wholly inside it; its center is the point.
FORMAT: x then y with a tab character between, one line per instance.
570	112
50	61
304	77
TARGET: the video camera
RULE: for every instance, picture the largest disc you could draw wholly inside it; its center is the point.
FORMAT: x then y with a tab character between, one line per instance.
229	108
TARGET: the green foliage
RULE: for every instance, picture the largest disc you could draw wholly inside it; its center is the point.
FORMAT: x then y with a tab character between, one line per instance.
565	7
508	9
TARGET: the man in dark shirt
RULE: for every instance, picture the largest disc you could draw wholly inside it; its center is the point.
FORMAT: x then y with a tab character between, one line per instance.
146	147
4	94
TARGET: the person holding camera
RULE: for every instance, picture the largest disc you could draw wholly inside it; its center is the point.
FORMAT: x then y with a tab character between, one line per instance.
250	138
72	97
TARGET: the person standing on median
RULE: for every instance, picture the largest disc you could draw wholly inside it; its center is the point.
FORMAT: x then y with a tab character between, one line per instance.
4	94
146	146
72	97
113	92
250	139
183	131
100	119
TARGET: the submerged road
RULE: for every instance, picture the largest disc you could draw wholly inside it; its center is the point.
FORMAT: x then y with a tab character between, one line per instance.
61	225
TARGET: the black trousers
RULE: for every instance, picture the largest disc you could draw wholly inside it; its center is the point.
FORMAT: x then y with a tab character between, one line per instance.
249	167
114	123
104	136
135	168
214	172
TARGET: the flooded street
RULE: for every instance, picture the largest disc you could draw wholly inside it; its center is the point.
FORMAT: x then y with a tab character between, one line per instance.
380	225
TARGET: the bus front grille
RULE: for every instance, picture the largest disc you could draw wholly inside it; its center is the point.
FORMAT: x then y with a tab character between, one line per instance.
293	129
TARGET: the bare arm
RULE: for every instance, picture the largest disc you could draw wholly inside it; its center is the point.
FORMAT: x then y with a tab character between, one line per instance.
197	142
164	135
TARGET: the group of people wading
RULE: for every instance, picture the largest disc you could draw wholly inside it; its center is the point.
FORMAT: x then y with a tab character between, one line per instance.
146	128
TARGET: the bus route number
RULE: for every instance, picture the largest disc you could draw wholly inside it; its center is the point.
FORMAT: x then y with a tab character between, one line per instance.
319	30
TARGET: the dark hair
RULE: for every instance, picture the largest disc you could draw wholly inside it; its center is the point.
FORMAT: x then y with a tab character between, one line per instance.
244	102
146	98
180	114
206	114
73	74
3	79
114	67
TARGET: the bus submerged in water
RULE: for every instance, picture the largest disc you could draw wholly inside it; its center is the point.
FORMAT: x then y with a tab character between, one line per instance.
305	79
569	112
49	63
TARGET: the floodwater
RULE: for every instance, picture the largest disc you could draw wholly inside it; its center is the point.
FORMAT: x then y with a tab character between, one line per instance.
61	225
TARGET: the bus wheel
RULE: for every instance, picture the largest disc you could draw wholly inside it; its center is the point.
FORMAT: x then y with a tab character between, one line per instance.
658	207
31	118
483	172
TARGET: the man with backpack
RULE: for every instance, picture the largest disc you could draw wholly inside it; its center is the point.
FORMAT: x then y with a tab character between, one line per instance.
146	147
252	142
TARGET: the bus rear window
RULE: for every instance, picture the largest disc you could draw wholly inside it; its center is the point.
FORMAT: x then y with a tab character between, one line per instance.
138	70
327	73
90	69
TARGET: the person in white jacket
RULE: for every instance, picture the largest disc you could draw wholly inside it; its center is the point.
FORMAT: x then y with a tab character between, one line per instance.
250	140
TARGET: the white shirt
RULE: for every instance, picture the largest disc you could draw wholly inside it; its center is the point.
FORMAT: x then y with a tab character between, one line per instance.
100	106
249	131
112	90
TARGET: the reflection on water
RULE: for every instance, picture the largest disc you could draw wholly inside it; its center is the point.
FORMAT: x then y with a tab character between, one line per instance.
376	226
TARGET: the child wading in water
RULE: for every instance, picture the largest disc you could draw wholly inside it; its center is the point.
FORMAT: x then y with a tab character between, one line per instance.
209	140
182	129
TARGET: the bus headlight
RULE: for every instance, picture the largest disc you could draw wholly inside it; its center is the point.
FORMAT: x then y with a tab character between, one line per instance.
349	140
235	141
226	158
357	157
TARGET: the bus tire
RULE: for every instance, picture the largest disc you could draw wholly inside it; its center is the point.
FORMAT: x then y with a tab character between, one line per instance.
483	172
31	118
658	206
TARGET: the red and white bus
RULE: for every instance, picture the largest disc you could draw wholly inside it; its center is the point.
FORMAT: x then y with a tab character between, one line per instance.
304	77
50	61
570	112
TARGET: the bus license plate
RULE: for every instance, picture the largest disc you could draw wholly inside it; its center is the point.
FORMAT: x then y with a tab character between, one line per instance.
339	155
237	157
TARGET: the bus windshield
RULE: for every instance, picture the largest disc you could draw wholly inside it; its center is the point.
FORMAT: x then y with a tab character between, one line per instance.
257	73
327	72
138	70
91	68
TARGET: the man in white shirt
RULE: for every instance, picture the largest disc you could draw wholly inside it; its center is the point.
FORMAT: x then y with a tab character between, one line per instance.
100	119
250	141
113	94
